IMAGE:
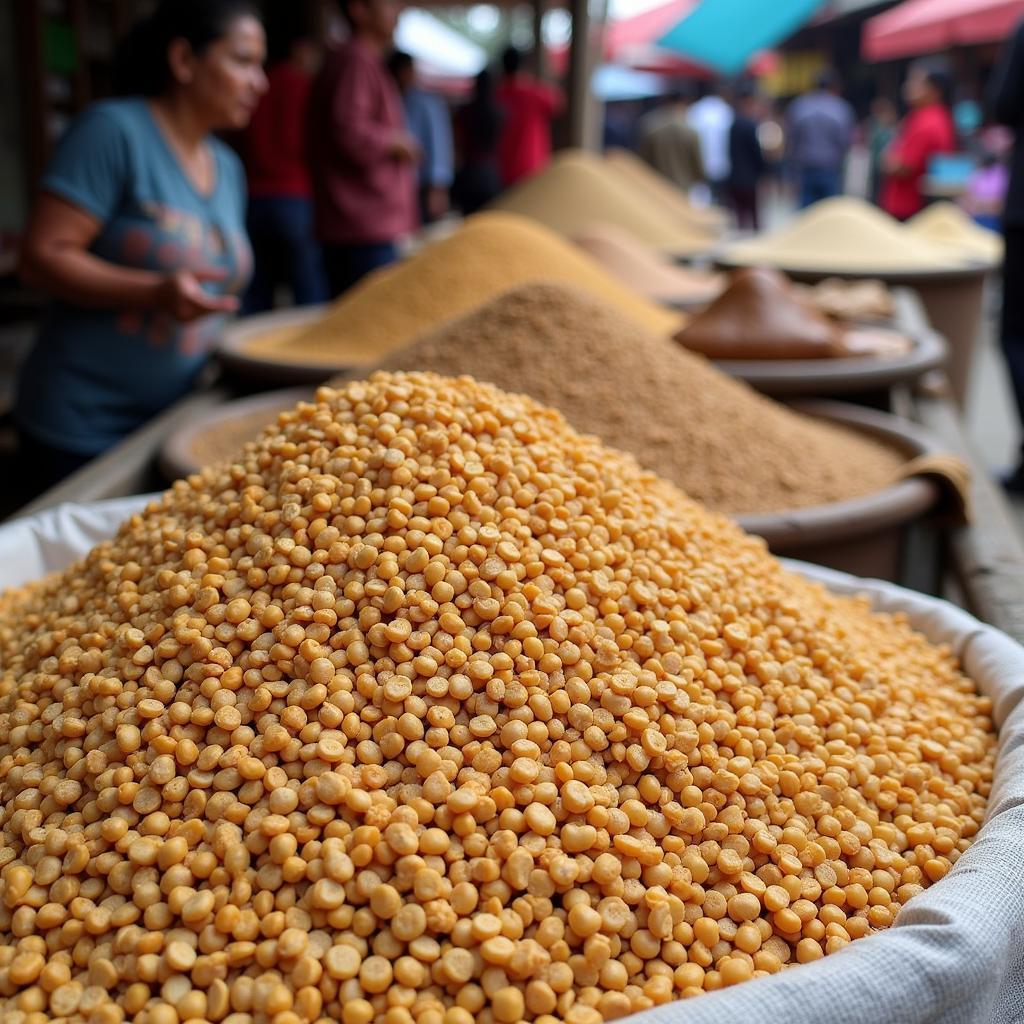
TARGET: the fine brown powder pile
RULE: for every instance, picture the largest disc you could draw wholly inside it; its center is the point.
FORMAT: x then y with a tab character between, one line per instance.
714	437
577	189
491	253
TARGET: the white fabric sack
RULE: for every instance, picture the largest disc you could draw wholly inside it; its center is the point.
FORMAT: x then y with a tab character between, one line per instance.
955	954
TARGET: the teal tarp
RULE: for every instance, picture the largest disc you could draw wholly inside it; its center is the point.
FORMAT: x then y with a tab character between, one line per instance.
725	34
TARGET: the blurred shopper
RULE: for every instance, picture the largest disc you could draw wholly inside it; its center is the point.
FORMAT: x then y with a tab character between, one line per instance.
280	192
985	196
747	164
138	235
879	133
430	123
478	127
670	144
362	157
926	131
529	107
1007	103
711	117
820	133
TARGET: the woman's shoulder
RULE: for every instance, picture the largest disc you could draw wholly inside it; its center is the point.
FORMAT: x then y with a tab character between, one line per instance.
121	113
226	157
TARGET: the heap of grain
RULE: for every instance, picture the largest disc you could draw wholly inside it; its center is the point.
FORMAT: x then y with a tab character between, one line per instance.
432	711
577	190
845	234
714	437
489	254
947	224
640	175
645	271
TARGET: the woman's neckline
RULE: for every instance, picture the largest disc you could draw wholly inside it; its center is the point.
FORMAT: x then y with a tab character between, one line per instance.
165	140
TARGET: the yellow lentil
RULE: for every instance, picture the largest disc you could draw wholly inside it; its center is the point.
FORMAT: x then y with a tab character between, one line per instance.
374	873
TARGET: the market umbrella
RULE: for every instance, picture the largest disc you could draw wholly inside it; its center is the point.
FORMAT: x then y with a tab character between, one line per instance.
725	34
929	26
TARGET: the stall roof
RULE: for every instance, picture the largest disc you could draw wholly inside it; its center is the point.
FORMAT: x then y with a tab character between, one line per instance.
726	34
439	50
929	26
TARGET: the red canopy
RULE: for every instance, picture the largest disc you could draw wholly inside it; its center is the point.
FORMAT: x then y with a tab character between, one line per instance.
929	26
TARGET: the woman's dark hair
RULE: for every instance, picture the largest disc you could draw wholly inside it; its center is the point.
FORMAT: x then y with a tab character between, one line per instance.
140	65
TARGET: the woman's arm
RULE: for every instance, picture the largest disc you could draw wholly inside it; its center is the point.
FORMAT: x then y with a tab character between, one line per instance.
55	258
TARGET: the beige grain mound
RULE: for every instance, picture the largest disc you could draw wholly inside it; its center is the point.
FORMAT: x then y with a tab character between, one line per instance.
946	223
845	234
578	189
639	174
491	253
714	437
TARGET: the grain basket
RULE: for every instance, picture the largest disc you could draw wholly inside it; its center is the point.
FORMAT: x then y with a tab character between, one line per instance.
954	955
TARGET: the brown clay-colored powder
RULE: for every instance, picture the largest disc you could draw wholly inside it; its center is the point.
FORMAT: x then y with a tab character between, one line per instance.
714	437
491	253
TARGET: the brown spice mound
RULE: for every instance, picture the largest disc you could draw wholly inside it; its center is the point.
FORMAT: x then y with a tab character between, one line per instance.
432	711
717	439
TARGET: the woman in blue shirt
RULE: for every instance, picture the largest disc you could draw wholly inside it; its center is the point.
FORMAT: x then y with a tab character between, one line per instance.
138	236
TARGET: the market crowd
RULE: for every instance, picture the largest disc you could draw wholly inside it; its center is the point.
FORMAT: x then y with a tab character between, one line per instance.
224	173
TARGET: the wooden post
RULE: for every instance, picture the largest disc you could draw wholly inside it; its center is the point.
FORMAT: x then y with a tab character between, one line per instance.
29	28
578	85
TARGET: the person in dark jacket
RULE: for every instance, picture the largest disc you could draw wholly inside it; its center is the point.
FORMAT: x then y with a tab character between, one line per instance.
746	159
478	129
1007	102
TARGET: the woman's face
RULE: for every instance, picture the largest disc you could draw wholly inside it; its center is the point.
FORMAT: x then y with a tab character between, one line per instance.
227	80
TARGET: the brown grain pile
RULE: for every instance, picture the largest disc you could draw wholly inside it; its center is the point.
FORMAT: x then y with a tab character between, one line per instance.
491	253
578	189
712	436
431	711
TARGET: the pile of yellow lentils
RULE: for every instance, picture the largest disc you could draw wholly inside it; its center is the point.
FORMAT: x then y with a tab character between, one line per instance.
429	710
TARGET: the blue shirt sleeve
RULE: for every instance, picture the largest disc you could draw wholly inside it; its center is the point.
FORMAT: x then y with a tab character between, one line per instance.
91	164
441	171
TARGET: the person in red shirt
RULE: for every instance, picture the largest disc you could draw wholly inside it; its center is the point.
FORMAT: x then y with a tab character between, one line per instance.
926	131
362	158
280	219
529	107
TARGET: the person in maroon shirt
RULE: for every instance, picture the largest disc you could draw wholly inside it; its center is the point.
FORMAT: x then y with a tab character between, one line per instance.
280	220
362	158
529	106
926	131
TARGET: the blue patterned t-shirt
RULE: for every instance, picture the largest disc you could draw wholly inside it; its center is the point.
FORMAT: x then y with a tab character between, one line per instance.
95	375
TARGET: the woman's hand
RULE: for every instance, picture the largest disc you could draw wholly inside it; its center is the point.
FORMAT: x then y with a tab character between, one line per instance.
56	259
182	295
